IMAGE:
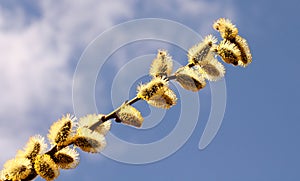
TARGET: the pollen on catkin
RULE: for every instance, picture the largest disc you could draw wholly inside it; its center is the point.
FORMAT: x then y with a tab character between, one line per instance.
202	50
16	169
46	167
66	158
162	65
246	57
156	86
90	119
35	145
165	101
212	70
229	52
190	78
226	28
61	130
130	116
89	141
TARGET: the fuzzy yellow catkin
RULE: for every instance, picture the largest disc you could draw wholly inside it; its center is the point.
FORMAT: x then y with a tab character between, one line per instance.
35	145
130	116
67	158
229	52
156	86
164	101
61	130
46	167
226	28
212	70
229	32
89	141
162	65
16	169
246	57
91	119
202	51
190	78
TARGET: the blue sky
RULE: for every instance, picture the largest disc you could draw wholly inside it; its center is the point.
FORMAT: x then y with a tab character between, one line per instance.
41	44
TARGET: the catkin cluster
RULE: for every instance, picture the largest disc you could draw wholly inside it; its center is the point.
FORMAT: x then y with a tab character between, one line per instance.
64	136
202	66
89	132
233	48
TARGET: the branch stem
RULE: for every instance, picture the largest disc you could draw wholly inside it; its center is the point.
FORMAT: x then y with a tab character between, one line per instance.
113	114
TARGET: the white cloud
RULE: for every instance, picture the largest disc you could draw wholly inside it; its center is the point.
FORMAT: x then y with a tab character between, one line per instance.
35	59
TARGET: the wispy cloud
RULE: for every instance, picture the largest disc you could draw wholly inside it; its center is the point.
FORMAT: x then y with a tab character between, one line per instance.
35	58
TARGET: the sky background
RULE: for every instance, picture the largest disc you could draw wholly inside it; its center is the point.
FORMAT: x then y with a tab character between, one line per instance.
41	43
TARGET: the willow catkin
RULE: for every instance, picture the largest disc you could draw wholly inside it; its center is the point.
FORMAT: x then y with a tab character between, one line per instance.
212	70
202	51
130	116
157	86
229	33
67	158
89	141
164	101
46	167
190	78
16	169
246	57
226	28
229	52
35	145
61	130
162	65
